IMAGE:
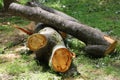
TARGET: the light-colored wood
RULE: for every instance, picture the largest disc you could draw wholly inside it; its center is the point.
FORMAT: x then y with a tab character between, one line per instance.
61	60
112	45
36	41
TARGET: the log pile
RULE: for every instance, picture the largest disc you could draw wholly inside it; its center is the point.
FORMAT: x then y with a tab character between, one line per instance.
47	42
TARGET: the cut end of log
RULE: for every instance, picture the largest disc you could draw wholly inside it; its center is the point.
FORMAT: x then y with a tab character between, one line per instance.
112	46
61	60
36	41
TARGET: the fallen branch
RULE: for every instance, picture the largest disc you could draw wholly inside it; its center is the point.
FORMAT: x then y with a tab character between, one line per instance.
51	10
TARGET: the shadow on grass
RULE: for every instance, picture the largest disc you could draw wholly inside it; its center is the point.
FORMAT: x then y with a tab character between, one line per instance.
71	72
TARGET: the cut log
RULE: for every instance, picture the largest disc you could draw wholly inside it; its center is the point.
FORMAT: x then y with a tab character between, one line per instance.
51	10
96	42
61	58
42	25
49	47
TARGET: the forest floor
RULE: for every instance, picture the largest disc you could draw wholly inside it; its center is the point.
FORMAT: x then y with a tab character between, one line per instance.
18	63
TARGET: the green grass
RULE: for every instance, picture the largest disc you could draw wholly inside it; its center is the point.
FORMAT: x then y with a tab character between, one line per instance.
99	14
23	66
1	4
14	20
27	68
6	28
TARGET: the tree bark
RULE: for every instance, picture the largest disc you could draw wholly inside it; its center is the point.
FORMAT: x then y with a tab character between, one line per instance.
49	47
93	38
51	10
35	3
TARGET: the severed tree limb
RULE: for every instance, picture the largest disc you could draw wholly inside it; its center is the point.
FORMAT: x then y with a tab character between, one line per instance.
51	10
90	36
49	47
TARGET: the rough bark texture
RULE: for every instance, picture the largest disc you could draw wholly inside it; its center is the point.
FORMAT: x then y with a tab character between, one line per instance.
94	39
49	47
37	4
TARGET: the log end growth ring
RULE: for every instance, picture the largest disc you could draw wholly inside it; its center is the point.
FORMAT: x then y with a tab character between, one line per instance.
112	46
36	41
61	60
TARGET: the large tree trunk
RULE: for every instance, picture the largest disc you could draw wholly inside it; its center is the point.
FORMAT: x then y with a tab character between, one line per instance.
97	42
49	47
